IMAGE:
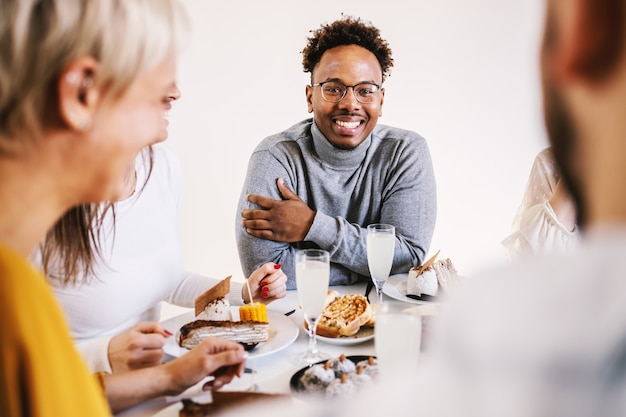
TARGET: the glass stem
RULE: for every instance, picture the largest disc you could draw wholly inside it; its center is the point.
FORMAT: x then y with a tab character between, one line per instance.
312	337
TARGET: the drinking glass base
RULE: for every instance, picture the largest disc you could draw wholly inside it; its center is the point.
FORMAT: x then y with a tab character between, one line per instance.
309	358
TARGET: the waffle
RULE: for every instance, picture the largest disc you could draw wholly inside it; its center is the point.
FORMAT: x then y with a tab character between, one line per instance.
344	315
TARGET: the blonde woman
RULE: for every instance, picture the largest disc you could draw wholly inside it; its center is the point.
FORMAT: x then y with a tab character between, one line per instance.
78	101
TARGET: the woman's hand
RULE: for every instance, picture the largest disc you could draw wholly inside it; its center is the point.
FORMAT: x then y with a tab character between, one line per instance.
140	346
268	283
222	359
217	357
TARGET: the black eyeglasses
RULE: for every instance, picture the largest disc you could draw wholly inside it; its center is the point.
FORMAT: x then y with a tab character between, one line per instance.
335	91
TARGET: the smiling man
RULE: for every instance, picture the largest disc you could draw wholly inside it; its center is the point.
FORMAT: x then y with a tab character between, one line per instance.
322	181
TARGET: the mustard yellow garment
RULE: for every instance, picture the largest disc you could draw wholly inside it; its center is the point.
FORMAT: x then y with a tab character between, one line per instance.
41	373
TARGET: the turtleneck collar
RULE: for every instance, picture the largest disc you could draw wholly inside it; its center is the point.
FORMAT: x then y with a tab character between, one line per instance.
335	157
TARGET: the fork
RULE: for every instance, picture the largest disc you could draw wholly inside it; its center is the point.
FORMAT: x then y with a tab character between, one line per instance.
253	386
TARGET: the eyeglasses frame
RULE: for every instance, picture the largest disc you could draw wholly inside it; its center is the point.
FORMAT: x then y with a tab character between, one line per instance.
321	85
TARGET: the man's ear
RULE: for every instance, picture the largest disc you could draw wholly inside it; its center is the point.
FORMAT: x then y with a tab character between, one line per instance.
78	95
309	98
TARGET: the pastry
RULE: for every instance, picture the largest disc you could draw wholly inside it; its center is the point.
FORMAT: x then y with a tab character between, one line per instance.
369	366
317	377
220	290
359	377
216	310
344	315
342	365
341	387
431	278
248	333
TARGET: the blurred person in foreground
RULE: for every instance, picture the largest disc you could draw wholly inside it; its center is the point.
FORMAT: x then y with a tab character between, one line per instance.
545	336
321	182
78	101
545	221
132	258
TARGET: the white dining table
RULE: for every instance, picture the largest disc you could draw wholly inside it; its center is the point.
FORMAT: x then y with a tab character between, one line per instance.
274	371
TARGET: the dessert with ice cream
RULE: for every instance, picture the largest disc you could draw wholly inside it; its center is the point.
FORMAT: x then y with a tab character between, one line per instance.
335	378
369	366
342	365
432	278
341	387
318	377
214	318
217	310
359	377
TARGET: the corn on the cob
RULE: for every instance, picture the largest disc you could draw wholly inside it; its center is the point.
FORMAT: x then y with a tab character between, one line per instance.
253	312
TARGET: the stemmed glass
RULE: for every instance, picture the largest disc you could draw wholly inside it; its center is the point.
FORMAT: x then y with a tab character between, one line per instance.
381	241
312	277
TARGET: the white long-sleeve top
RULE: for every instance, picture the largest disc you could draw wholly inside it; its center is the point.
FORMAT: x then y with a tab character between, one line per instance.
144	265
536	228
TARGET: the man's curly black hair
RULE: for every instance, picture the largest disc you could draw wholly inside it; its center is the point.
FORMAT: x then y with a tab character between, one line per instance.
346	31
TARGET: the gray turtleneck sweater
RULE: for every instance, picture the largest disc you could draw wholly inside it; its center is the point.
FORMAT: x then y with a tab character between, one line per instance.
388	178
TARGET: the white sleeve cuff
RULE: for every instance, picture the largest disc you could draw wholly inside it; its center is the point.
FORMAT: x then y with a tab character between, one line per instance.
96	354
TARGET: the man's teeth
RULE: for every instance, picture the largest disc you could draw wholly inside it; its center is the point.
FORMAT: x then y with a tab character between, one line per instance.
165	114
349	125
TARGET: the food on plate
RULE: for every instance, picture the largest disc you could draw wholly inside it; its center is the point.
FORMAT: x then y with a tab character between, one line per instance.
337	377
222	400
216	310
214	318
253	312
432	277
344	315
318	377
369	366
247	333
219	290
342	365
359	377
341	387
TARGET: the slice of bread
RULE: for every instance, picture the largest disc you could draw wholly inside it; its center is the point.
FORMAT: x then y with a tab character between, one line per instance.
344	315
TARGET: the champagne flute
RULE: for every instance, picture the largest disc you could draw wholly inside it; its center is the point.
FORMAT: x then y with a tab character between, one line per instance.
381	241
312	277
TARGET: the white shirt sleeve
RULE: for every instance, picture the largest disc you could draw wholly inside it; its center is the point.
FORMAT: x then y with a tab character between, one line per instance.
96	353
541	232
535	227
192	285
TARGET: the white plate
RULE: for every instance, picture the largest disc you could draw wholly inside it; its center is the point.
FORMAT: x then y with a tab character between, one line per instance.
395	287
364	334
283	332
171	411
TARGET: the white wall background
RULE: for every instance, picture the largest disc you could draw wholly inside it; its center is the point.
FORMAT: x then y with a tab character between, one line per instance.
465	77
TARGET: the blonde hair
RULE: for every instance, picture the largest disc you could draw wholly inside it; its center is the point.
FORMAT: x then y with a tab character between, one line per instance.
39	38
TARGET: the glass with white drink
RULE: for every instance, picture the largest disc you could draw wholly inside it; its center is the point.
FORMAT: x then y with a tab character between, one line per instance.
381	241
397	338
312	277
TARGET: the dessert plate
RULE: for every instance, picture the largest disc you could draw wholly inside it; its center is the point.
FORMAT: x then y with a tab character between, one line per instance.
364	334
283	332
170	411
298	389
395	287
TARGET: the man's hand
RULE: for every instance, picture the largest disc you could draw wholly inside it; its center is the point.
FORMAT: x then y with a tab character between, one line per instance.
138	347
287	220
